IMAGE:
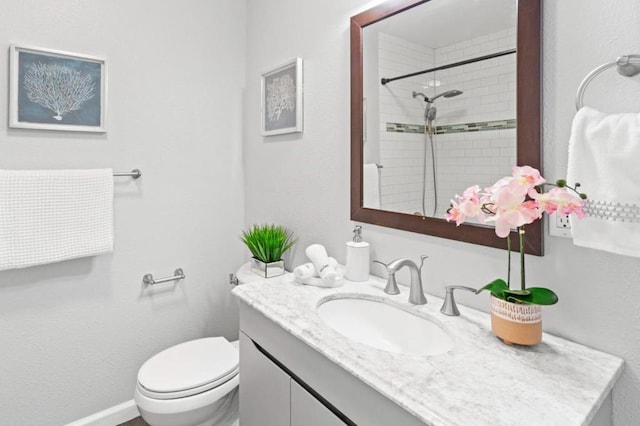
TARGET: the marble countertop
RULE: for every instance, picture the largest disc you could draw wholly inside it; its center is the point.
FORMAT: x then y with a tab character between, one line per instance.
480	381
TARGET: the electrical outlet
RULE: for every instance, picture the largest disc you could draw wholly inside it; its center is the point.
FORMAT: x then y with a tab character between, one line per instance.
562	221
560	226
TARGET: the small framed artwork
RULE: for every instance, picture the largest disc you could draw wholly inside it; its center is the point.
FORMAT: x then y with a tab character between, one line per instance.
282	99
54	90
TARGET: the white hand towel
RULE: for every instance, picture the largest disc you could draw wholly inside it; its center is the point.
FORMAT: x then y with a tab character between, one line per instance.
307	275
371	186
49	216
604	152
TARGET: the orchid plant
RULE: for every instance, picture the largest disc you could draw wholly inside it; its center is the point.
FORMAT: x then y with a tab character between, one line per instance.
513	202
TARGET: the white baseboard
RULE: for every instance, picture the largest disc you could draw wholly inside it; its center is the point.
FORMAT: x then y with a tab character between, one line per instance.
111	416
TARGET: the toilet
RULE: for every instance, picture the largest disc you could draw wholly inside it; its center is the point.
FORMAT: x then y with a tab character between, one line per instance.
191	384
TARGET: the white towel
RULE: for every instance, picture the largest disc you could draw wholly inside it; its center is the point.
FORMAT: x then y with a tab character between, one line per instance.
604	153
306	274
371	186
53	215
308	270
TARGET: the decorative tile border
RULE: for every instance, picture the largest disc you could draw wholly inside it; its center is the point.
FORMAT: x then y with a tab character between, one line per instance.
454	128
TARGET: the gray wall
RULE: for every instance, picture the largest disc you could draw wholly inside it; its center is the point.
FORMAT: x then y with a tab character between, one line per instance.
73	334
302	180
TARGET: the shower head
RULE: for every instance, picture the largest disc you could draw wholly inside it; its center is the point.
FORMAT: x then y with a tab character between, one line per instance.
430	110
430	113
447	94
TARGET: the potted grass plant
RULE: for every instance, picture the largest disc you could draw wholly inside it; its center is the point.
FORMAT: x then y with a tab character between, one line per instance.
511	203
267	244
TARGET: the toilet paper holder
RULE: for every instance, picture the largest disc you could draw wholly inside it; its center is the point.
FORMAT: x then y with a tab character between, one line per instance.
178	274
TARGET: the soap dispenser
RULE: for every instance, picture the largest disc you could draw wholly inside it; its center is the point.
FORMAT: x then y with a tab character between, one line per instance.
357	257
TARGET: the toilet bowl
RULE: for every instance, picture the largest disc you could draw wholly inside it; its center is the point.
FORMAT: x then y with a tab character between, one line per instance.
191	384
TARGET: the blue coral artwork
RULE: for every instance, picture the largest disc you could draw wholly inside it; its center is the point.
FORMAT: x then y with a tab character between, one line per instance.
280	111
282	99
56	91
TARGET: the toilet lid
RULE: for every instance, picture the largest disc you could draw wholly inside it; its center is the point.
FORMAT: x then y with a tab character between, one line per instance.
190	365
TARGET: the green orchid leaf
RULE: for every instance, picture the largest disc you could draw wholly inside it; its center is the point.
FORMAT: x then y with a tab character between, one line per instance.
542	296
536	296
496	287
525	292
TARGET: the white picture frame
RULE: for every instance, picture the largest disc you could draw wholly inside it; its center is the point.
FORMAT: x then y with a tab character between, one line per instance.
282	99
79	99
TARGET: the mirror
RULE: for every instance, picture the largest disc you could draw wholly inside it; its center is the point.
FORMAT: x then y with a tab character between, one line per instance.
445	94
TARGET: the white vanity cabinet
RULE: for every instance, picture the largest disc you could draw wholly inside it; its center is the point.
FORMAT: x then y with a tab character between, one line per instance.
265	397
306	410
284	381
270	397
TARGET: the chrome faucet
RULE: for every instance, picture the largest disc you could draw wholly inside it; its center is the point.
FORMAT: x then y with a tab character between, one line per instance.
416	295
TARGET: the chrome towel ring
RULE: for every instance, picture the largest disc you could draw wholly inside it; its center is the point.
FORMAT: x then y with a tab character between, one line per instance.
628	66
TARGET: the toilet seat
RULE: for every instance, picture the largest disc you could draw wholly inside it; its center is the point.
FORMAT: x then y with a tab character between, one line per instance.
188	369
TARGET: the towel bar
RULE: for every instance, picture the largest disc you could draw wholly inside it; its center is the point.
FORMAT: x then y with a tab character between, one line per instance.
178	274
628	66
135	173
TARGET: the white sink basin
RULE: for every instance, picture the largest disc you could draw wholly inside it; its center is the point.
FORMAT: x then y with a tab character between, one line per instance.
385	327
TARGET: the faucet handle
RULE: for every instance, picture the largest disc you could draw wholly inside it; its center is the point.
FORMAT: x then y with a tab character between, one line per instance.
422	258
392	285
449	306
380	263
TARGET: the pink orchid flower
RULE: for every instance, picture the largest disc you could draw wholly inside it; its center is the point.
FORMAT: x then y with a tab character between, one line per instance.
472	193
559	200
455	214
546	201
468	205
567	203
513	201
528	176
511	208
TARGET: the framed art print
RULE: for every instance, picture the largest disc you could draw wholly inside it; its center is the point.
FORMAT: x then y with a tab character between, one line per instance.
54	90
281	107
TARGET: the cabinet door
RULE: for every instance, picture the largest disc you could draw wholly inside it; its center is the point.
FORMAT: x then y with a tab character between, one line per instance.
306	410
265	394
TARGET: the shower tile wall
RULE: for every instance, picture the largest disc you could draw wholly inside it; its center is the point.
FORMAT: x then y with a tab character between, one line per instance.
464	158
401	154
469	158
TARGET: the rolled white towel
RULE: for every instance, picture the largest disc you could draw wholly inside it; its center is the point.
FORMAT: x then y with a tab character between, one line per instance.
305	267
304	271
317	253
307	270
308	275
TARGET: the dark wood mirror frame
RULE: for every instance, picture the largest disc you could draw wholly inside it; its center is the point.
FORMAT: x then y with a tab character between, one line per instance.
529	147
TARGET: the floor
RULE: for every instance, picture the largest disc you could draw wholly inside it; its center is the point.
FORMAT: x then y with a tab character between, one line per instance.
135	422
228	414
